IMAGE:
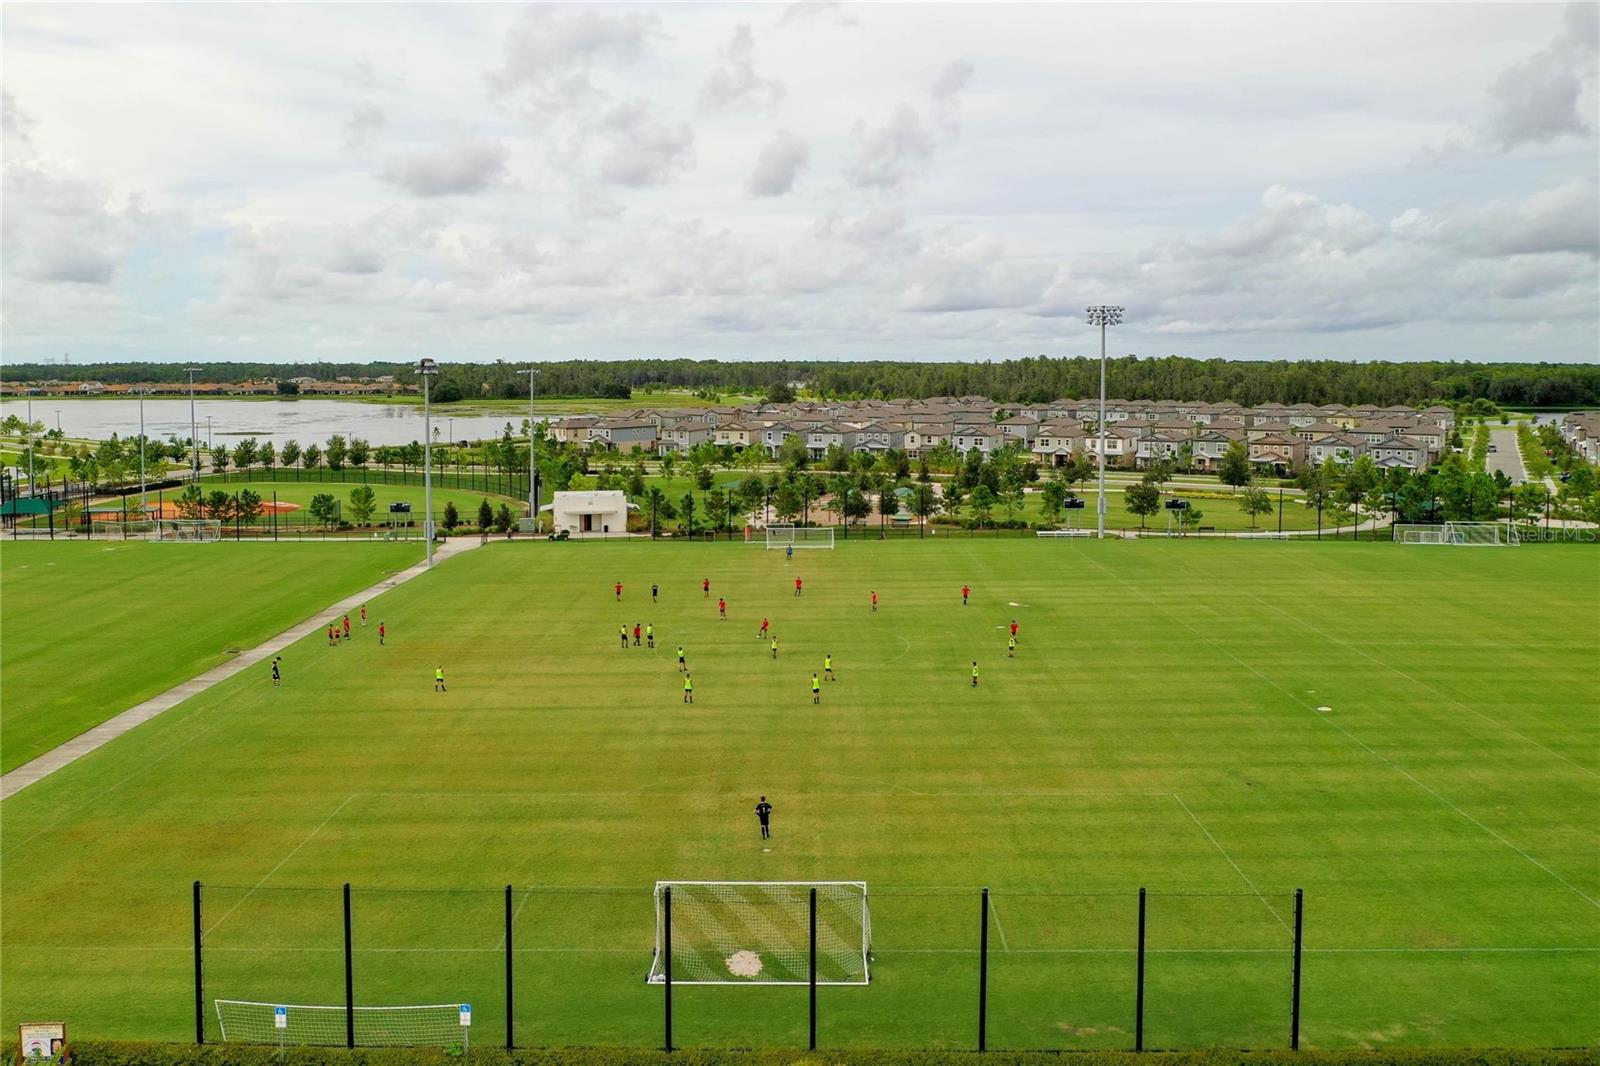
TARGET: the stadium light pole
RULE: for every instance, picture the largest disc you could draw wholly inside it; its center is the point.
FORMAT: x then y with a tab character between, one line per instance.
143	490
31	489
194	426
427	369
1103	315
533	468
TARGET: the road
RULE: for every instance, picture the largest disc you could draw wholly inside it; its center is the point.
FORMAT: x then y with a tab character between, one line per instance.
1506	455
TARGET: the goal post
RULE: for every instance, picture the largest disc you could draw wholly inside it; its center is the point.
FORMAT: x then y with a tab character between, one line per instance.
1418	534
132	529
799	536
432	1025
188	529
758	932
1481	534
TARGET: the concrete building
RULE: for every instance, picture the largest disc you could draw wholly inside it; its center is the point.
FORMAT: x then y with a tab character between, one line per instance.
582	513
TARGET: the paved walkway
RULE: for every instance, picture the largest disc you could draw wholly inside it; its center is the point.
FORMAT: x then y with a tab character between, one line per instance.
112	728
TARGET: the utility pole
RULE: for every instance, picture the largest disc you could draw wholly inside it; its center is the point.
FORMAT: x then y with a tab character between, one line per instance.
194	426
427	369
533	462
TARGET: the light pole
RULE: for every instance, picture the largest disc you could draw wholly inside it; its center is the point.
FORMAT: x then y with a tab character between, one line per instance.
533	467
427	369
1103	315
194	426
31	489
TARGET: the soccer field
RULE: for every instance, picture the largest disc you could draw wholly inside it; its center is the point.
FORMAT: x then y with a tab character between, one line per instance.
1160	726
91	629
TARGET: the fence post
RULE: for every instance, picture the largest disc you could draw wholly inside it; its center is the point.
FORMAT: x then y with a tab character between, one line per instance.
983	976
349	978
1138	996
1294	1010
666	958
812	970
511	1014
199	975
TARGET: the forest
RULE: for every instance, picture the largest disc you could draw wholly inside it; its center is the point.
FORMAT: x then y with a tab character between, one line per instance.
1031	380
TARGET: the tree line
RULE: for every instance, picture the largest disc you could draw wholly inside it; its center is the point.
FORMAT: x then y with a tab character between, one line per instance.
1032	380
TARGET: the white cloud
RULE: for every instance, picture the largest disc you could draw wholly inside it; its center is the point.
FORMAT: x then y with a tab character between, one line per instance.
735	81
1540	98
468	165
1563	219
362	123
779	163
552	47
641	148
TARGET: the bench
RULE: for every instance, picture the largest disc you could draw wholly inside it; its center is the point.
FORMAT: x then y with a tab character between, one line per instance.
1065	532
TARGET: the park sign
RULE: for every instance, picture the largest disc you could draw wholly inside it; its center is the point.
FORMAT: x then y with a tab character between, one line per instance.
41	1041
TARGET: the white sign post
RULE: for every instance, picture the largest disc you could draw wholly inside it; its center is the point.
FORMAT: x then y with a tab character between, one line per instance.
280	1020
466	1030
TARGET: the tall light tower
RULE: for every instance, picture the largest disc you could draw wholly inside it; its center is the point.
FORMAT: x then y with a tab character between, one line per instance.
427	369
533	465
1103	315
194	426
143	485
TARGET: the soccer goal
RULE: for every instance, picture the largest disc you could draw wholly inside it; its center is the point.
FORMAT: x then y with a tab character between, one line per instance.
191	529
1416	534
433	1025
133	529
799	536
1481	534
758	932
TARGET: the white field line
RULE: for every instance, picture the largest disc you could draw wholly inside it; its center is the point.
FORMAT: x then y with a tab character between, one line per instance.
1028	793
333	814
994	909
1224	852
515	915
1325	719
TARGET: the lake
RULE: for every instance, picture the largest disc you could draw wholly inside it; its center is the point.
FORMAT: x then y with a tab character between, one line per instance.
229	421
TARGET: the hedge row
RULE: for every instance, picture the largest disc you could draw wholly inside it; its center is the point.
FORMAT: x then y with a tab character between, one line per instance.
119	1053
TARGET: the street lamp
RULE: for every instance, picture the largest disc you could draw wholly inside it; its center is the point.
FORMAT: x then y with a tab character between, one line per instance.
1103	315
143	490
533	467
427	369
194	425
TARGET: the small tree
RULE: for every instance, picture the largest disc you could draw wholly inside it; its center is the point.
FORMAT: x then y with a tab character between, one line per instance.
336	452
1376	502
1234	469
504	519
248	506
983	501
452	517
703	477
360	452
1143	499
291	455
718	509
219	504
1255	502
1189	518
192	504
924	504
324	508
363	501
219	460
793	452
888	502
267	455
310	457
954	497
485	516
786	501
1052	499
687	510
244	454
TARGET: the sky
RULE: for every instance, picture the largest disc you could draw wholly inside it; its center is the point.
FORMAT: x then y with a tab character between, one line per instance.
814	180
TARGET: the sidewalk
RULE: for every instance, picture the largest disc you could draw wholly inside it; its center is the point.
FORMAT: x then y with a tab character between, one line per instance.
112	728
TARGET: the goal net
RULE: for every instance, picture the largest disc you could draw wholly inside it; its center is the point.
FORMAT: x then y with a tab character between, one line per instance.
799	536
1414	534
133	529
758	932
189	529
434	1025
1481	534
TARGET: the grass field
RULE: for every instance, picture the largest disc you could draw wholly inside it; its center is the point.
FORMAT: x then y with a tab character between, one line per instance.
89	630
1159	727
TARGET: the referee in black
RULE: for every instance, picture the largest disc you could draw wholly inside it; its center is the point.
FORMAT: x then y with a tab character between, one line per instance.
764	812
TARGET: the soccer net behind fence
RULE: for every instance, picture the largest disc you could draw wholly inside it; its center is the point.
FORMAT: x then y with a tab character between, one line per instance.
189	529
758	932
1459	534
433	1025
799	536
133	529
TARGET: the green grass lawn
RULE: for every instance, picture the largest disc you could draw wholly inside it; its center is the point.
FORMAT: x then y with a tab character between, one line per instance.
1159	727
89	630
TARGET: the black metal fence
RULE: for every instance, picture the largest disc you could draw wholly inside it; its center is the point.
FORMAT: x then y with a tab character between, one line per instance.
554	966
